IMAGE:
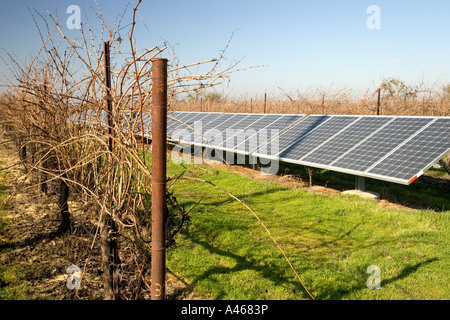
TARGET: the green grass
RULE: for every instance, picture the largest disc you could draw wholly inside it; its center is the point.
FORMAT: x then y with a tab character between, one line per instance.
13	285
331	241
418	194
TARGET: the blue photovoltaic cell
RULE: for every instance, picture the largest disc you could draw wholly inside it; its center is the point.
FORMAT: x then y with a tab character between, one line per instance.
345	140
243	132
215	133
172	118
242	129
226	118
250	120
287	138
371	150
308	142
260	131
176	120
418	153
190	122
223	123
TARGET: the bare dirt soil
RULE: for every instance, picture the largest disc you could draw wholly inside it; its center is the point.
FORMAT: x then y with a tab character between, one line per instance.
32	244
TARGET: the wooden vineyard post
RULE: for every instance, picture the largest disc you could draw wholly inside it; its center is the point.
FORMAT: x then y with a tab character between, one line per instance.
110	251
108	93
379	101
265	102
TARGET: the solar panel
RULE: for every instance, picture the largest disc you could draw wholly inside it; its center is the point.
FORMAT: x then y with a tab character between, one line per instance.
368	152
175	119
238	129
397	149
311	140
339	144
213	134
417	154
187	119
235	131
178	115
392	148
247	129
187	122
134	119
223	123
248	142
184	131
272	148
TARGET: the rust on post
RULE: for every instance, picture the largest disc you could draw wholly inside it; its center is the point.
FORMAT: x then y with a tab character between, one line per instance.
159	135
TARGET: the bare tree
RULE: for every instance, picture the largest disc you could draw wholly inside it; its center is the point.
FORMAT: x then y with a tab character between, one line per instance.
56	111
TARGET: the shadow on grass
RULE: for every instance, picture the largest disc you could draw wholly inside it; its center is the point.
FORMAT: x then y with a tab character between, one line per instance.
339	293
30	242
406	271
272	273
211	205
428	192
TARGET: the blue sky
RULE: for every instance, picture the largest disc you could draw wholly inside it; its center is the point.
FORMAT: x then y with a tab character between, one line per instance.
306	45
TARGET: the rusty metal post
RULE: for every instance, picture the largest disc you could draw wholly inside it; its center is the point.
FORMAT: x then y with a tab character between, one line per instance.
159	133
379	101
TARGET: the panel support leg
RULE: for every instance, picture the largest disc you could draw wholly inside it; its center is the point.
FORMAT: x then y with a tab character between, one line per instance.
444	165
360	183
360	190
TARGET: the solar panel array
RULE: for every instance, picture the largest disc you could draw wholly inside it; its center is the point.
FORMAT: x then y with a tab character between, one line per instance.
234	132
392	148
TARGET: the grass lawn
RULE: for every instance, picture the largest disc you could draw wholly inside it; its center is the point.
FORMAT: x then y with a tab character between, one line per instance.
331	241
